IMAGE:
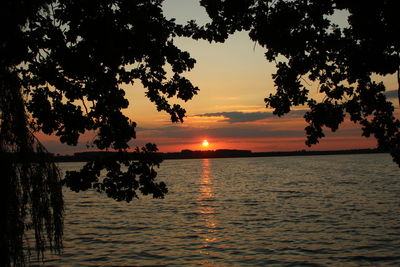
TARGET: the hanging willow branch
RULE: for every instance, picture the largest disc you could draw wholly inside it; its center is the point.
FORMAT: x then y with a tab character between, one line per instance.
30	189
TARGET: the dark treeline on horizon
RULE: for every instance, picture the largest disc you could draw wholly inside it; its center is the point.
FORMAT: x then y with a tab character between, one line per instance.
219	153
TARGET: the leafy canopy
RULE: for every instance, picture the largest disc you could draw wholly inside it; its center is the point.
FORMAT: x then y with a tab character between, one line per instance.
62	67
306	44
78	54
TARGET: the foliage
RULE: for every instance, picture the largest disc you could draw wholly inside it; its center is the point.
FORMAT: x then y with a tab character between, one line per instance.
64	63
304	41
117	183
30	189
81	53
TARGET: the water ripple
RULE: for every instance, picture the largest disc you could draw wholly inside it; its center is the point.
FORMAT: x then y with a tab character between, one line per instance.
294	211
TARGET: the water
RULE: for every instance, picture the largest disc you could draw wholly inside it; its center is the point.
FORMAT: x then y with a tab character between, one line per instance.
314	210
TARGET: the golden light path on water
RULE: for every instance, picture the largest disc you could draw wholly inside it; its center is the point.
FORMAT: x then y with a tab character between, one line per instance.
205	199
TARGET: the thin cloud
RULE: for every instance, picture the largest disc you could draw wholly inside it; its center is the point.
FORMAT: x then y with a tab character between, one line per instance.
392	94
235	131
239	131
236	116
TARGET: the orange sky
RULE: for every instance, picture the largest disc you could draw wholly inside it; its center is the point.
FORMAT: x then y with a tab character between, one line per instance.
229	111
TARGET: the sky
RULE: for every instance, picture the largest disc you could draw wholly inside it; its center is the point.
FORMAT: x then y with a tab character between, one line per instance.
229	111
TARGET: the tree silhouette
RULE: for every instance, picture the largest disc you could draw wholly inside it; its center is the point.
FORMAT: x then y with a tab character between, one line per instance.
62	67
306	44
63	64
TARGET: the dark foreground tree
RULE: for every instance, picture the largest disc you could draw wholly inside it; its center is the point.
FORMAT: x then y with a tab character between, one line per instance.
62	67
63	64
306	44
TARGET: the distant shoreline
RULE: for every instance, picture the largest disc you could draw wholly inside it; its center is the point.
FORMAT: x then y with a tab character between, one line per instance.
220	153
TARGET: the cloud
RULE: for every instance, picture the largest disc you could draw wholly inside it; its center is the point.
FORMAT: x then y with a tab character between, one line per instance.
184	136
392	94
235	131
236	116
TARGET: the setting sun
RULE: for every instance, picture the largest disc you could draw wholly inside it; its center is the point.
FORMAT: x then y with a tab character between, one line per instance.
205	143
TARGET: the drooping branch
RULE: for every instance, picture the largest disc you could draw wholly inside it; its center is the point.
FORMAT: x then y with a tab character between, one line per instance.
398	83
30	187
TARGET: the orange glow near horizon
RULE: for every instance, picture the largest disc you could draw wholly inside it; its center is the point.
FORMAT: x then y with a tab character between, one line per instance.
195	137
268	144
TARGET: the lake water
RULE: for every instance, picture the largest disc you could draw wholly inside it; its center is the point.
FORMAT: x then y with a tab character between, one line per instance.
313	210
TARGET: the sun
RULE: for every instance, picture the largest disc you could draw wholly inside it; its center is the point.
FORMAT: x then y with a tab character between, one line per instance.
205	143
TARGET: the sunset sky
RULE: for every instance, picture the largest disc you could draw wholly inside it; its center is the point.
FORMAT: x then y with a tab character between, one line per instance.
229	111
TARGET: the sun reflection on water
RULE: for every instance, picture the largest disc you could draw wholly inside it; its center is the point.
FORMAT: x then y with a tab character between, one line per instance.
205	205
